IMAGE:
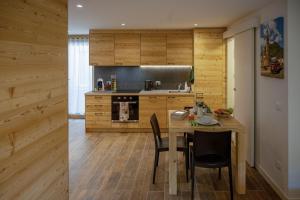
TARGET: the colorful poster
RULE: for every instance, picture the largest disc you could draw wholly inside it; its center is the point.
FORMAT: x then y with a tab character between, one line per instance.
272	48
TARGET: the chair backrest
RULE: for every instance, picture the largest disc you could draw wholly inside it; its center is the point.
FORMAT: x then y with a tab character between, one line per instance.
155	129
207	143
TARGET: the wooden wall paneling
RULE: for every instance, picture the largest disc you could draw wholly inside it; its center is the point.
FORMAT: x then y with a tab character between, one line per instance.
127	49
153	48
102	49
180	48
33	100
210	66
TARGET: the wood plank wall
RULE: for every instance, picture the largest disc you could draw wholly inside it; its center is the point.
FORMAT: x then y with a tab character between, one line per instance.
210	66
33	99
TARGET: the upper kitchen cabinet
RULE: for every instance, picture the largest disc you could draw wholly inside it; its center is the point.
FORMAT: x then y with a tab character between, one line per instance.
127	49
153	48
210	66
102	49
180	48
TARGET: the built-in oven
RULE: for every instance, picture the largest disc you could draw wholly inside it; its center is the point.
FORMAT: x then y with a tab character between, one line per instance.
125	108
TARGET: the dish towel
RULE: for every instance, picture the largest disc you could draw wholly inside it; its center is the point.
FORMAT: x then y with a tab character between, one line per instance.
124	111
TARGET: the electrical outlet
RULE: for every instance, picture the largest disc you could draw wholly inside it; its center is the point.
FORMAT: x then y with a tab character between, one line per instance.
277	106
278	165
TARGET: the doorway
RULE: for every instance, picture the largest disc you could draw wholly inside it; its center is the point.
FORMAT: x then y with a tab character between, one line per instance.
241	83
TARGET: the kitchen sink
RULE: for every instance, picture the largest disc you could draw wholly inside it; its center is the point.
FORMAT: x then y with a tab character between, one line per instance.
177	91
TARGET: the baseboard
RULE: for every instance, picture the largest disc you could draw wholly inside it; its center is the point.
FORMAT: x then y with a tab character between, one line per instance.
294	194
272	183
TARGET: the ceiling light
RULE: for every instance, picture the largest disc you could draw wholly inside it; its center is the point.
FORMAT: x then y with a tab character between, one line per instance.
79	6
123	24
195	24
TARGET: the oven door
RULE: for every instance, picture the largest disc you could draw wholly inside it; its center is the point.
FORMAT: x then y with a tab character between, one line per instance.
133	108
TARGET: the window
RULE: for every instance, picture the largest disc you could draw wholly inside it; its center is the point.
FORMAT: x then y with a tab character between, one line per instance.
79	75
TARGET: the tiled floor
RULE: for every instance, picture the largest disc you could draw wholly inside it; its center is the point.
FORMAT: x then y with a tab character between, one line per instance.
119	166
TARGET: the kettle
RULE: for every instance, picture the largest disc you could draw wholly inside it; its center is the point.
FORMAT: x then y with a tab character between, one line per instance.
148	85
100	84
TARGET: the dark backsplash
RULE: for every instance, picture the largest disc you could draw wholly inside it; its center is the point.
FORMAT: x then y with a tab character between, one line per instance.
134	77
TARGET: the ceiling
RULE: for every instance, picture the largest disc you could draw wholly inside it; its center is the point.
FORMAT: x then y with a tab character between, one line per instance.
157	14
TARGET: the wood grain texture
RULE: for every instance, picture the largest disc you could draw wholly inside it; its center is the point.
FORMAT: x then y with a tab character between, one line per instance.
119	166
153	49
145	47
127	49
179	102
33	100
98	112
210	66
150	105
180	48
102	49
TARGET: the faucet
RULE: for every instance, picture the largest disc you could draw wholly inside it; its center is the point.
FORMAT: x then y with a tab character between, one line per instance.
179	86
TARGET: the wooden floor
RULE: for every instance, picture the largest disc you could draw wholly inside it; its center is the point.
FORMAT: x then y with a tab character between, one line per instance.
119	166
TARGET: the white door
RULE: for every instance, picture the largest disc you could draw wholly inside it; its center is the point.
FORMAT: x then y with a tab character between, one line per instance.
244	85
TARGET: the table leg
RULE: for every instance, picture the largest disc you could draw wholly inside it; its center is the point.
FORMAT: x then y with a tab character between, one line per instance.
172	163
240	171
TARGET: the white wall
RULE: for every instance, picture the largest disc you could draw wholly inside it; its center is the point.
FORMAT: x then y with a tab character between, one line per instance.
271	110
230	73
294	97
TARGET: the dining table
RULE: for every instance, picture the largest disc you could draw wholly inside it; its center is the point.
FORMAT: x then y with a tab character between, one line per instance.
176	126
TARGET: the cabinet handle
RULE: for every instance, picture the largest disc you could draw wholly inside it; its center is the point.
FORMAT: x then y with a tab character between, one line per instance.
171	97
98	97
152	97
99	114
119	63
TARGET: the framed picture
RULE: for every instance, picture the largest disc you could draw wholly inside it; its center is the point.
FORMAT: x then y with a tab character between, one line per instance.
272	48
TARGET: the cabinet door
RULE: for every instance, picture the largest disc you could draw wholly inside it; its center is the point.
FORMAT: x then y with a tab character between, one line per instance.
101	49
98	111
150	105
153	49
180	48
210	66
127	49
179	102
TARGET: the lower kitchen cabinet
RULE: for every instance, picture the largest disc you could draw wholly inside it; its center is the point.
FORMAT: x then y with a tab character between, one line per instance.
97	112
150	105
179	102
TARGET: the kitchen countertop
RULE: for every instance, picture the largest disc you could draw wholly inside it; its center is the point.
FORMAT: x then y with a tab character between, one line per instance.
142	93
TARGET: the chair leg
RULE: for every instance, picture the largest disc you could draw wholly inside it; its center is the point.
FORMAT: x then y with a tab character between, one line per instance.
193	180
188	157
155	165
187	165
157	159
230	181
220	173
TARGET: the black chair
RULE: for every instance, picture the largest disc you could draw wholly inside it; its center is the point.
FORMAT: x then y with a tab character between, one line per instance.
162	144
211	150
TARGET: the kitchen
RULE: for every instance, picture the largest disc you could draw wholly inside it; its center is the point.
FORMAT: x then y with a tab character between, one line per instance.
161	60
149	99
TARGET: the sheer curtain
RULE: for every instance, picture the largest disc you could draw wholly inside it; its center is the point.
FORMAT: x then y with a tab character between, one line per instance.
80	74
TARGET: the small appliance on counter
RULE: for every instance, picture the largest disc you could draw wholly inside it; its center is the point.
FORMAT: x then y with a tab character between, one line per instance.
100	84
113	82
148	85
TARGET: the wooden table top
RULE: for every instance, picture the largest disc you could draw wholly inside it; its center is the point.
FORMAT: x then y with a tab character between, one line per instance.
226	124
